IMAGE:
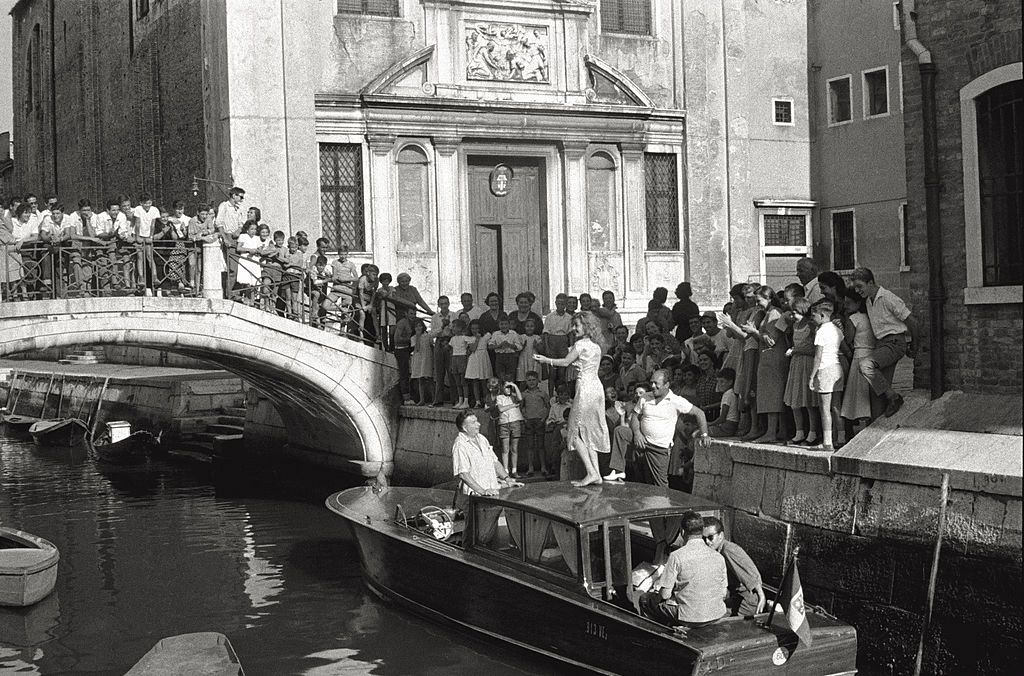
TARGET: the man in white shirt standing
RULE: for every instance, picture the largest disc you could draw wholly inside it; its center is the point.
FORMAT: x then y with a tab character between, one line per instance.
892	323
229	220
81	226
113	232
143	217
654	427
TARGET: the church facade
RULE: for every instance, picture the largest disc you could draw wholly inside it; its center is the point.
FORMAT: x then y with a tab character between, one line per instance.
542	145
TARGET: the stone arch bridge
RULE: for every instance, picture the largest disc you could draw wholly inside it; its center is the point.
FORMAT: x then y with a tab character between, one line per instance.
334	395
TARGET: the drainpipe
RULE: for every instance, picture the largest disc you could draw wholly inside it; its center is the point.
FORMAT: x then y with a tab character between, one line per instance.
932	188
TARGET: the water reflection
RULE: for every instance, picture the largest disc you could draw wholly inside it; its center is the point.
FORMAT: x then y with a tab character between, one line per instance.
161	549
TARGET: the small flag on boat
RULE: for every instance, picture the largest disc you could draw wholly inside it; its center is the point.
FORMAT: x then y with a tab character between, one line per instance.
791	596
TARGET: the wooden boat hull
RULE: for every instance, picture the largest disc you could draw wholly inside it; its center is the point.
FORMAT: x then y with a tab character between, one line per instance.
19	424
208	653
65	432
28	567
136	448
450	584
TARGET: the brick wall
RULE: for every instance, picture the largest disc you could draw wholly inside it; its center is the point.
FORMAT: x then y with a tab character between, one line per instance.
127	99
967	38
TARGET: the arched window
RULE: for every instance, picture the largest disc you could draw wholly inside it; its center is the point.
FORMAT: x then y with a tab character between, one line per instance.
991	109
602	206
413	198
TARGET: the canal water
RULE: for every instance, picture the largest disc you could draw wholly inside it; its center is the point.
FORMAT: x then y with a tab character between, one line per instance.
247	551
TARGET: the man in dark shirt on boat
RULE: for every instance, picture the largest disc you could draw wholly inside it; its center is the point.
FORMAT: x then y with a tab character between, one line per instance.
693	583
746	595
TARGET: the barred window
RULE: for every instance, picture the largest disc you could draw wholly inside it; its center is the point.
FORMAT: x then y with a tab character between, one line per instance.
843	250
626	16
1001	183
341	195
662	202
785	230
370	7
783	110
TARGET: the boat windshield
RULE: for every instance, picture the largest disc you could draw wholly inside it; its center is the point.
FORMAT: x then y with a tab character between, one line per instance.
525	536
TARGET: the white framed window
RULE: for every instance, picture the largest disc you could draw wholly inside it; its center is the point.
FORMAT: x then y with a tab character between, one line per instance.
904	221
782	112
990	111
786	237
838	95
875	92
844	240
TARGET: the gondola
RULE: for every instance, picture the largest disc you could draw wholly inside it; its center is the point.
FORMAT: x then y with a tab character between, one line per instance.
59	432
550	568
28	567
206	652
135	448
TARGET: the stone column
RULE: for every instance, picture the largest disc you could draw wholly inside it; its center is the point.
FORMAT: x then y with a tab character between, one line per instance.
635	209
576	232
213	269
382	232
450	279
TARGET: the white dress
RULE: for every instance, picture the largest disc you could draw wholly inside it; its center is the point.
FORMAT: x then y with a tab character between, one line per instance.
249	269
478	366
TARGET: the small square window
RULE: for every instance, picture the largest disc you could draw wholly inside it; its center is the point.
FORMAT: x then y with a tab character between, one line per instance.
839	110
876	93
783	111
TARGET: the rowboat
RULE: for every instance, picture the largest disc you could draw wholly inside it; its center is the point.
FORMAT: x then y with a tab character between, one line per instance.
18	424
136	447
59	432
550	568
28	567
208	653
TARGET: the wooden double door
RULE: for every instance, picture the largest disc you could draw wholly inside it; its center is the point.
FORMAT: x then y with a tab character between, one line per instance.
509	235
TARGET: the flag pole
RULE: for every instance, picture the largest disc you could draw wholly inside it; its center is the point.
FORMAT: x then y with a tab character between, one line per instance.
785	574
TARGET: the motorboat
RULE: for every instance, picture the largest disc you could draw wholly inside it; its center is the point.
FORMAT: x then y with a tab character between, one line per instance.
207	653
28	567
59	432
550	568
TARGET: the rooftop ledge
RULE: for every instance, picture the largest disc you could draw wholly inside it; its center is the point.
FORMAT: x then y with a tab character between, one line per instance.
975	438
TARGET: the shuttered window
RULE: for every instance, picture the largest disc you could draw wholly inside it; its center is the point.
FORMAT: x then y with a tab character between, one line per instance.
370	7
662	201
341	195
626	16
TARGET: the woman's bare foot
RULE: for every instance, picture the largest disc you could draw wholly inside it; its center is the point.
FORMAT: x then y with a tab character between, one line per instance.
586	481
765	439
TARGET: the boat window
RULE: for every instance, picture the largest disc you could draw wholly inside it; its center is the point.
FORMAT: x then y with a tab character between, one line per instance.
550	544
498	529
651	540
609	556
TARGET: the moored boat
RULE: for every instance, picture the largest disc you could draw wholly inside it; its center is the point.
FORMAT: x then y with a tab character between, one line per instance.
18	424
135	448
28	567
208	653
59	432
550	568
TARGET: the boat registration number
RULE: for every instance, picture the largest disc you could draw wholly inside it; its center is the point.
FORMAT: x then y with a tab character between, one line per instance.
598	630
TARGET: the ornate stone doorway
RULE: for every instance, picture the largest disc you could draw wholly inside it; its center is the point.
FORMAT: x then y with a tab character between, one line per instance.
508	232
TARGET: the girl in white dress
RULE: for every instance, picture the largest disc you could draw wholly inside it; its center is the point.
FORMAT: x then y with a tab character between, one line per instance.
249	269
478	366
531	346
587	431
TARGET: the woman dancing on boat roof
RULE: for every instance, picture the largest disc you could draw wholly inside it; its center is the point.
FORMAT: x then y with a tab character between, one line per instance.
587	431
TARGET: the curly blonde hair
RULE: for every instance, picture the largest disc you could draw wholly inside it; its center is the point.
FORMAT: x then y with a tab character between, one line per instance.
593	328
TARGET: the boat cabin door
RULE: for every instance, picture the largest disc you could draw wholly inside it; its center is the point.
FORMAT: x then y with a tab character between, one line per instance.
609	562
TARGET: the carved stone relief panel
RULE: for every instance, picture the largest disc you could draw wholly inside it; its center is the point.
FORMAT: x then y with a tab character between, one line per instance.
507	52
422	267
606	272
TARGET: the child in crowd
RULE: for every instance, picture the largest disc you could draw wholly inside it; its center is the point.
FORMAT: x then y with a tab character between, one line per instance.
535	411
291	279
689	351
320	288
504	406
859	402
385	312
478	366
422	366
688	390
826	372
728	412
531	346
798	395
558	416
621	335
630	373
506	345
458	343
612	465
606	372
271	254
403	351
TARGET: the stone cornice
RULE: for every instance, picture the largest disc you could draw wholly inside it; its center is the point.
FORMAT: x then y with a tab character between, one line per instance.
584	8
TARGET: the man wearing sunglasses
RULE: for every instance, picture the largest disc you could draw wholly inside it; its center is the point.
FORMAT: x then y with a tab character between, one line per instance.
745	592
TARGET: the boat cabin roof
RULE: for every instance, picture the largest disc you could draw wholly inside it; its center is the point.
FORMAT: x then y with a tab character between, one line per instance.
598	503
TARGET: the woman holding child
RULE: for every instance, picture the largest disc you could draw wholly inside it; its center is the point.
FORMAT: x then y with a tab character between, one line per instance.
587	431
